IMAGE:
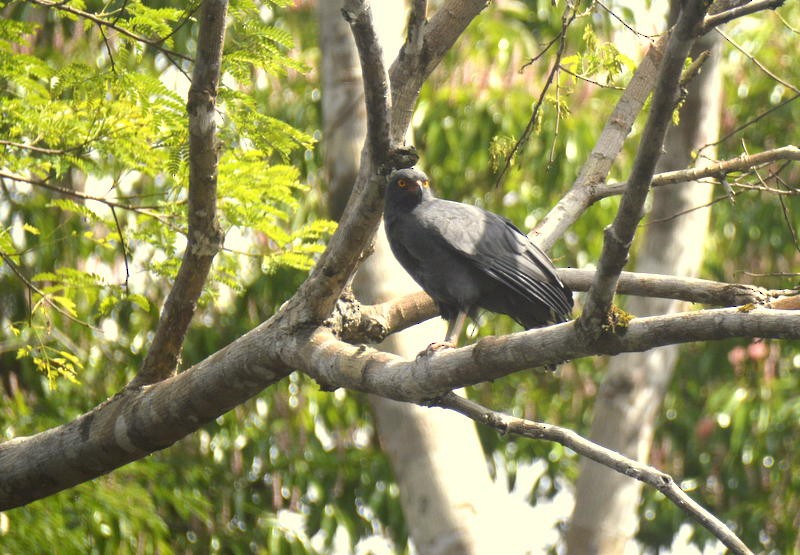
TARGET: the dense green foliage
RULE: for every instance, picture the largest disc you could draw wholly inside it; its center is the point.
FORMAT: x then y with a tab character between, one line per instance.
104	118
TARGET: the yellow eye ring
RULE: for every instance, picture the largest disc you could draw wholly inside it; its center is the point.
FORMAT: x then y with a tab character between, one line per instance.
402	183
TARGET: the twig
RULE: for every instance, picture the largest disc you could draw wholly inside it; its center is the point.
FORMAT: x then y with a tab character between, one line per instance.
752	121
721	18
566	20
718	169
155	43
755	61
122	244
44	296
611	459
39	149
143	210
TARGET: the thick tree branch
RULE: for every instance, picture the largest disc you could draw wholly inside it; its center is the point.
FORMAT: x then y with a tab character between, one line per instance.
619	235
137	422
644	473
334	363
355	323
205	237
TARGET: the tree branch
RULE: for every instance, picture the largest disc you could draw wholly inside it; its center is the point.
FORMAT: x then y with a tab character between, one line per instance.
596	168
619	235
355	323
138	421
99	21
719	169
721	18
334	363
644	473
205	237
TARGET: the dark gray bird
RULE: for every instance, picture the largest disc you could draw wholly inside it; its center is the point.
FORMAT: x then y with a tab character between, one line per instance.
467	258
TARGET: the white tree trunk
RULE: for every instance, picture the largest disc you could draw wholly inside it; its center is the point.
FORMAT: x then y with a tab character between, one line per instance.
605	517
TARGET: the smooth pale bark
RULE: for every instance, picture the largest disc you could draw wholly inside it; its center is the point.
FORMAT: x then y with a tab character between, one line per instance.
450	503
606	505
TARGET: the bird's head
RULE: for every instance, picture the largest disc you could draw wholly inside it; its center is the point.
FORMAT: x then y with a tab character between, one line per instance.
407	188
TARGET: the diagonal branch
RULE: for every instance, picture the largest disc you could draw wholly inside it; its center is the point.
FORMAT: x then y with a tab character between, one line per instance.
100	22
721	18
316	298
205	237
644	473
619	235
595	171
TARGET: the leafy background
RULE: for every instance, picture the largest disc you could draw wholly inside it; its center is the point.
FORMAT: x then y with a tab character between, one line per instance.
296	470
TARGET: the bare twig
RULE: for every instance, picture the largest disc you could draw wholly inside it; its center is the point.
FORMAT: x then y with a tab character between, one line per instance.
40	149
566	20
45	298
757	63
143	210
639	471
155	43
752	121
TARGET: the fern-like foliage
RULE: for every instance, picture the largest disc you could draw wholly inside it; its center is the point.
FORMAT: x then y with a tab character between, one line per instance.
94	167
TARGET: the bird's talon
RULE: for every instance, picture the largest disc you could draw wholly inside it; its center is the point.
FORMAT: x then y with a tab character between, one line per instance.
434	348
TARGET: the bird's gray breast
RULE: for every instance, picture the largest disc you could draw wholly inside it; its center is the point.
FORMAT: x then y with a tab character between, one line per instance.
422	241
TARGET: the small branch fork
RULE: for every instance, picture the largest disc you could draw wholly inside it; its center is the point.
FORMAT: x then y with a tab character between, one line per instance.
644	473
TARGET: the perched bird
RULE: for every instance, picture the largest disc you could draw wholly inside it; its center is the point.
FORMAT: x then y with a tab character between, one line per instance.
467	258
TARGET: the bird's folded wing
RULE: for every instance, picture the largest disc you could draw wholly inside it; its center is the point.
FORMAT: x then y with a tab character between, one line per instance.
498	248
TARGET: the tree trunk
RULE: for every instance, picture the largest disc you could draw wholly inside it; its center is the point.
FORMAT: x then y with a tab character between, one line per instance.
605	517
450	502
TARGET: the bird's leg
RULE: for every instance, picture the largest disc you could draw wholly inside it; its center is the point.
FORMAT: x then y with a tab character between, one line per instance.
454	328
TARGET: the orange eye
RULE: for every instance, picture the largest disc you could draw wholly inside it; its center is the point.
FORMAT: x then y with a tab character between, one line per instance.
402	183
